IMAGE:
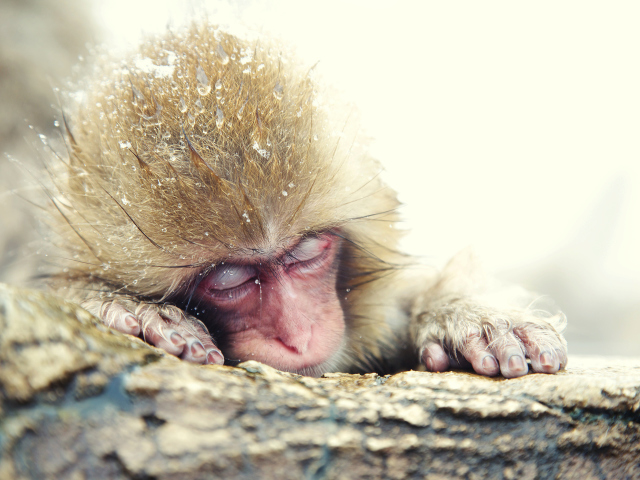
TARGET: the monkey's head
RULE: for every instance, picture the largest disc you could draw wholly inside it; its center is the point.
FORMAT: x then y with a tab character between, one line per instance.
207	172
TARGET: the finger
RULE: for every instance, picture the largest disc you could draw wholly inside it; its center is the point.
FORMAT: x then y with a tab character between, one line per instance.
214	357
196	335
119	318
194	351
435	358
544	349
476	351
158	333
510	356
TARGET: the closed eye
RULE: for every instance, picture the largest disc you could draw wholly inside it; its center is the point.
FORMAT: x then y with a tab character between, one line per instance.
309	253
231	276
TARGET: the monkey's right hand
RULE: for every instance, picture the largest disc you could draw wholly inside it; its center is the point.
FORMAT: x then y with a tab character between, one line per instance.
165	326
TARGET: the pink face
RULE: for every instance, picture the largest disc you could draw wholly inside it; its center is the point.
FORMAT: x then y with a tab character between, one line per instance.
284	313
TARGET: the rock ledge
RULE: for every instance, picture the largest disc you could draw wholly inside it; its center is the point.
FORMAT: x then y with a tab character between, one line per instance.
78	400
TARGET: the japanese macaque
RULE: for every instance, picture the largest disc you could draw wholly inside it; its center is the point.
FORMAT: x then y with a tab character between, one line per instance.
215	205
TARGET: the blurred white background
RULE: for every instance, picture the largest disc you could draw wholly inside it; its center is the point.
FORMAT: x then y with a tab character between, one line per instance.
508	126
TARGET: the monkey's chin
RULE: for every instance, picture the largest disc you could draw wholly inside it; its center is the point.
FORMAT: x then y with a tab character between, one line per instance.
320	357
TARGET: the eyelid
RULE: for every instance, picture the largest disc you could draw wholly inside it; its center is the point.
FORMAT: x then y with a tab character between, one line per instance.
231	276
307	249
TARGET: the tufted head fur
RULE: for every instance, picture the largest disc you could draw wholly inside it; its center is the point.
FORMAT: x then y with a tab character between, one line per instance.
201	146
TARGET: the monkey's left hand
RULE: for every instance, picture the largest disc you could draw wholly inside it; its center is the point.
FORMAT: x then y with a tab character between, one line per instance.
459	322
458	333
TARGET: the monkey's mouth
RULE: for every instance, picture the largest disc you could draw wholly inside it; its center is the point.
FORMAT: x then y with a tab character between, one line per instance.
310	356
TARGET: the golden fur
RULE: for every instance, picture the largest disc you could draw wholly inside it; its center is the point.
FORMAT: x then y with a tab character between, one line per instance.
202	146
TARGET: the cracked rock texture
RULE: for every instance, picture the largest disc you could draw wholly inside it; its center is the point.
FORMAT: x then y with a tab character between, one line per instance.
80	401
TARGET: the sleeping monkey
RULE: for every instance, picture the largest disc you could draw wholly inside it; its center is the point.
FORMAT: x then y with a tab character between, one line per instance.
215	204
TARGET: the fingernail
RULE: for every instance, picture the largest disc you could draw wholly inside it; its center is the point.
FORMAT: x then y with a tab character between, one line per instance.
489	363
214	357
516	362
131	322
176	339
546	359
429	363
197	350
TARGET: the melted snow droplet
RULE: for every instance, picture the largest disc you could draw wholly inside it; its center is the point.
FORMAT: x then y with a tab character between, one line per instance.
291	185
284	193
257	281
124	144
204	87
206	234
219	117
164	230
56	123
239	114
43	138
137	96
218	84
182	105
155	118
224	58
191	119
278	91
199	106
125	201
246	217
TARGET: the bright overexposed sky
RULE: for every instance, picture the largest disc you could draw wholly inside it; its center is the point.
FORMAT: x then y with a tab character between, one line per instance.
511	127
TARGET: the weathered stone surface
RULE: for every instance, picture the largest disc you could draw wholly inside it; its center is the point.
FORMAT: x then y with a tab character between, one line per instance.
79	401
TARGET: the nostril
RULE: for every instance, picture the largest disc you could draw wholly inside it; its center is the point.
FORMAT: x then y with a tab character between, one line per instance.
298	344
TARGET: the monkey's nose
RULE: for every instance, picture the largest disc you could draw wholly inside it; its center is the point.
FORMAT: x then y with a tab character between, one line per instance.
296	341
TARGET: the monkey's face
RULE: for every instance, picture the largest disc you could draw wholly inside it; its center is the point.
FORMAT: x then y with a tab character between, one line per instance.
282	310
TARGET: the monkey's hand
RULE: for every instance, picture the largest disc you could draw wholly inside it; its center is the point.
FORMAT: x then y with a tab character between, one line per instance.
459	332
165	326
464	320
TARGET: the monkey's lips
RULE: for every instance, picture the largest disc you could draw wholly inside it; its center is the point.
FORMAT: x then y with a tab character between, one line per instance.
310	357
